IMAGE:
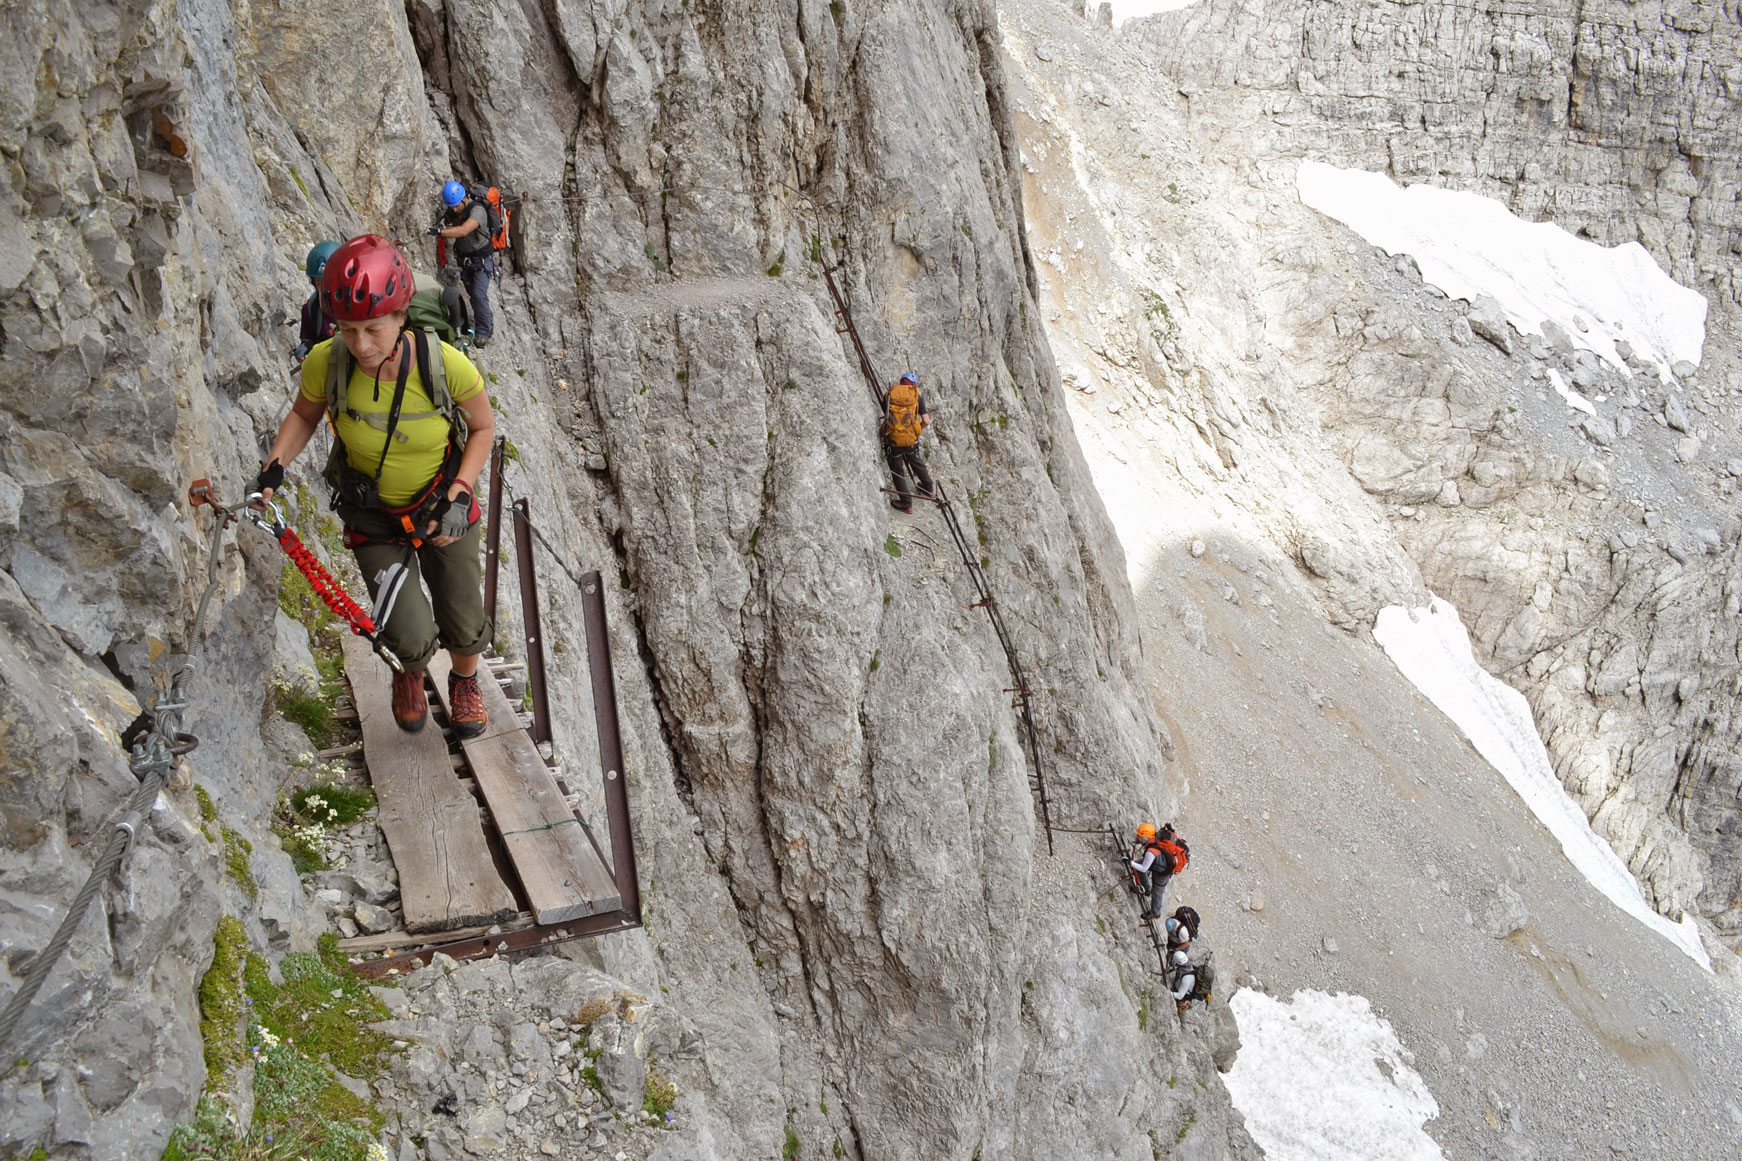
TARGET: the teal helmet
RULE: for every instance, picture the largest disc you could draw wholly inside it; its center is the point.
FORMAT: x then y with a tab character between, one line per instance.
317	259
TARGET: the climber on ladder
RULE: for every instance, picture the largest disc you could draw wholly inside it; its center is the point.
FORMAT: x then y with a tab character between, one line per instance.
905	418
1155	859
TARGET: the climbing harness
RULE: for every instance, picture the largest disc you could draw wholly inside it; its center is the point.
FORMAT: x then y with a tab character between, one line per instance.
270	517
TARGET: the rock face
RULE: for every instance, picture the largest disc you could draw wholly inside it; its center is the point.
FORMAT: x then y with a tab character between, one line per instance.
1594	556
837	838
1616	120
1291	431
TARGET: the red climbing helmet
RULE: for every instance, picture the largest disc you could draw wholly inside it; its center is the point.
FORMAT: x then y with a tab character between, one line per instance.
365	278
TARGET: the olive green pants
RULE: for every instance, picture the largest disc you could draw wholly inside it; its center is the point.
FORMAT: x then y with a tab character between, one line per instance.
451	615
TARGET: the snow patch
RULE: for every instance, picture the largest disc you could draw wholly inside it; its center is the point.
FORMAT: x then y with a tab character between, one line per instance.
1321	1054
1572	398
1432	649
1469	245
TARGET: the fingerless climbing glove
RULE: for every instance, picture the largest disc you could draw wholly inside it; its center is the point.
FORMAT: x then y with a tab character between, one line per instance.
455	518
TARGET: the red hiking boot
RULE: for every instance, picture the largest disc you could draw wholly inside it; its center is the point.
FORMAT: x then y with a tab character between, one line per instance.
466	705
410	708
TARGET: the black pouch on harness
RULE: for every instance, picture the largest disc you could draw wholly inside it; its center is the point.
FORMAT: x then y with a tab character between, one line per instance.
350	485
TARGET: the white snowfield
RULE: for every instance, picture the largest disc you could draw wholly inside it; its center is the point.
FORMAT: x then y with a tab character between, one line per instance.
1322	1078
1432	649
1469	245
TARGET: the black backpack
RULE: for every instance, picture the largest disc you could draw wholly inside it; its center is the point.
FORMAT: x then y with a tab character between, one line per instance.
1204	984
1188	918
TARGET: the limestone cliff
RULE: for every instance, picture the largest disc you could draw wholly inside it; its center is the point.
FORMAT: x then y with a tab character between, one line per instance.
845	903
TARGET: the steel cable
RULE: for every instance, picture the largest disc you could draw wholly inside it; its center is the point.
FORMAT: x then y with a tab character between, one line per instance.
155	754
43	963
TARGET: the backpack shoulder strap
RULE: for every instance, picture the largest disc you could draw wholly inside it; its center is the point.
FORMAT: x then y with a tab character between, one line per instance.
338	378
432	369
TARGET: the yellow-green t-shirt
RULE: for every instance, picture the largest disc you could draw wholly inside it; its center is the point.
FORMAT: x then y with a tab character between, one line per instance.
420	441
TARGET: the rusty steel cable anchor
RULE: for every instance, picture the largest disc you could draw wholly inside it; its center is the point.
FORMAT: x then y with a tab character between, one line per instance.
270	517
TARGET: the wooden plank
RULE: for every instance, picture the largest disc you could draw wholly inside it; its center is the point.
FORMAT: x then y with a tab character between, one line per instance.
446	876
558	865
387	941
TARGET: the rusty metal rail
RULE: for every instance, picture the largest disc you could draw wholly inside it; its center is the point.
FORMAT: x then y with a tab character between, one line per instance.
1022	700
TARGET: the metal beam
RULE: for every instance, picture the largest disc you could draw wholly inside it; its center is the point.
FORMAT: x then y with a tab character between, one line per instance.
611	774
532	622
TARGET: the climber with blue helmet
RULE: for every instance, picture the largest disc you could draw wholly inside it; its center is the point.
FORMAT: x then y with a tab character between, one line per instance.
466	227
316	326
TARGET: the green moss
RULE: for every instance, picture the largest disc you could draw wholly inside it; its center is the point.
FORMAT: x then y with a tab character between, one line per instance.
237	851
590	1075
1143	1017
310	709
1191	1119
774	271
892	546
332	804
876	660
510	453
659	1095
208	808
297	178
322	1008
789	1151
221	1002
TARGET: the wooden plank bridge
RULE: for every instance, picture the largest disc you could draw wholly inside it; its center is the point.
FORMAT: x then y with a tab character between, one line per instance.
491	853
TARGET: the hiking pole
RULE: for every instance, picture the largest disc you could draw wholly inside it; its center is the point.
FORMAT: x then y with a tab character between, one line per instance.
270	517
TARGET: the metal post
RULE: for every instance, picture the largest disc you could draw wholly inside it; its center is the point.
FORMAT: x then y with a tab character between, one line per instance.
493	535
531	621
610	744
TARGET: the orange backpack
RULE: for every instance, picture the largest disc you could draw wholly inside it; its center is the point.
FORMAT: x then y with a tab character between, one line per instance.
500	216
902	428
1170	847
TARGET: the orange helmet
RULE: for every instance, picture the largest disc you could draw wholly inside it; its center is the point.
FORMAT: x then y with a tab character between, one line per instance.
1146	830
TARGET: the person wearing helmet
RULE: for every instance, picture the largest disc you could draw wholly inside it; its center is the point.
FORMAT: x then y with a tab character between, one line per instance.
1182	976
467	230
412	429
315	323
1182	928
905	418
1155	856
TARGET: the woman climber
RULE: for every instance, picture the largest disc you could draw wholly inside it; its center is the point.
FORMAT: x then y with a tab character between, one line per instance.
412	428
